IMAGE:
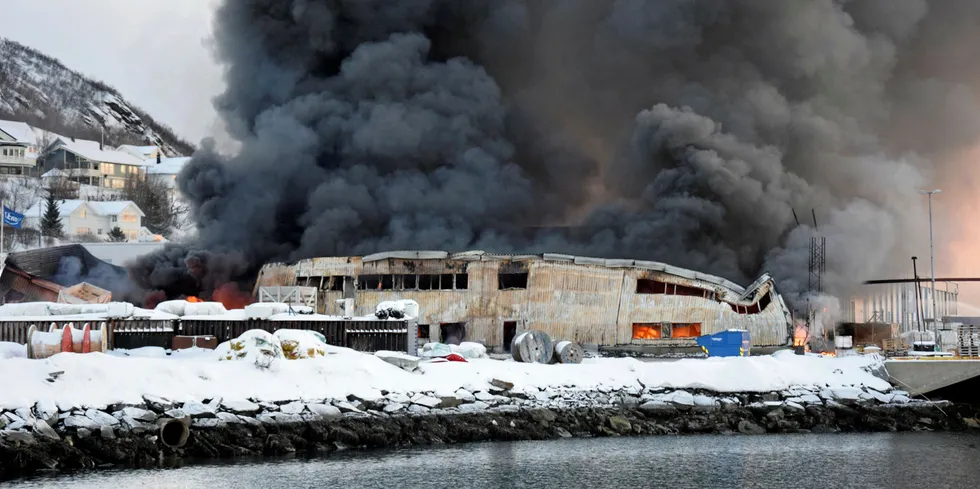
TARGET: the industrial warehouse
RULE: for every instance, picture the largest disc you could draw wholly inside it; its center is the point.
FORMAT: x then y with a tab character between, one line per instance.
480	297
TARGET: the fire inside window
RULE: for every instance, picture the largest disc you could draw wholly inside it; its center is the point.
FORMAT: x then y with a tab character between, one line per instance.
654	331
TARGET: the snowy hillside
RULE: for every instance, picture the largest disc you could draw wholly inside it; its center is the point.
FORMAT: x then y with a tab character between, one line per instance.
41	91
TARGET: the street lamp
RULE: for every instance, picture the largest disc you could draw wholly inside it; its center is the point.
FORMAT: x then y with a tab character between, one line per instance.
932	255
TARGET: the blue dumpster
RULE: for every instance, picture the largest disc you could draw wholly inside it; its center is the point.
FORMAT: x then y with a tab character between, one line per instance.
730	343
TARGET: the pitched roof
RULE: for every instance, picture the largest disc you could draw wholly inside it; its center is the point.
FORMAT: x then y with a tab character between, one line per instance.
90	150
167	166
66	207
20	131
143	152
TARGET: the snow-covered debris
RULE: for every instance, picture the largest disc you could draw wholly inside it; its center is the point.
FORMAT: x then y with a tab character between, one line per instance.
347	374
266	310
112	310
297	344
12	350
255	346
397	309
401	360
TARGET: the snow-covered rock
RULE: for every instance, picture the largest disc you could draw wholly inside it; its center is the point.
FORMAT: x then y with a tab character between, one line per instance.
403	361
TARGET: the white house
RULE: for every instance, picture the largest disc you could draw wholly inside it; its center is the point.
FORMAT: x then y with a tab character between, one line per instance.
80	217
18	148
166	171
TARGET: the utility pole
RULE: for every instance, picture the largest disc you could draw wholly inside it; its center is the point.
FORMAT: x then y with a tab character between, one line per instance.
918	311
932	256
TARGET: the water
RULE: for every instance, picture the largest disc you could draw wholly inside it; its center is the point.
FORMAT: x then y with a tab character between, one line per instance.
894	461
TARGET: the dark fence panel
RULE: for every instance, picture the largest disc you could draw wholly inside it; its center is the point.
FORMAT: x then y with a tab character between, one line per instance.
366	336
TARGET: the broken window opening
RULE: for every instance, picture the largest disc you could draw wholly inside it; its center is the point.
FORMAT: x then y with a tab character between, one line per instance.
764	301
426	282
336	283
368	282
452	333
446	281
462	281
647	331
512	281
411	282
387	282
648	286
424	331
685	330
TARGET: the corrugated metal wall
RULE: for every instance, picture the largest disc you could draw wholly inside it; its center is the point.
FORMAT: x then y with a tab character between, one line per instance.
568	300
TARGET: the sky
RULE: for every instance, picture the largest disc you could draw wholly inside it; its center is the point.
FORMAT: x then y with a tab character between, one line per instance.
155	52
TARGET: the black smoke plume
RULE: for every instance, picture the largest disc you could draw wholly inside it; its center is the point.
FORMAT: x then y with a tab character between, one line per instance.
682	131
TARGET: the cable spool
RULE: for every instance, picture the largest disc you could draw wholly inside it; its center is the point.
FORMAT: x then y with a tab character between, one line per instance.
532	347
43	344
568	352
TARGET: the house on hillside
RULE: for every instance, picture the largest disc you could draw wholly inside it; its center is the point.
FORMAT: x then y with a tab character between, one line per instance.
143	152
166	171
81	218
89	163
18	148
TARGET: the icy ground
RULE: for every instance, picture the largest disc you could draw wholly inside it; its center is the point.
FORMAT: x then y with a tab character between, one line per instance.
96	380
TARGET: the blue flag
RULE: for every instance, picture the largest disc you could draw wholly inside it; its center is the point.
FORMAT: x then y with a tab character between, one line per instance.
11	218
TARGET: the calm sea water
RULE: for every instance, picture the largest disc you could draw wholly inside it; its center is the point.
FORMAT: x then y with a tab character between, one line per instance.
921	460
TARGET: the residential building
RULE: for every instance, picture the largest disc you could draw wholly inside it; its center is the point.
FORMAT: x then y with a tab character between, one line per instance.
166	170
18	148
80	218
476	296
89	163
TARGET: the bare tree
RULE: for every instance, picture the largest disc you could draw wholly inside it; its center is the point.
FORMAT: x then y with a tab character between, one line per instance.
163	213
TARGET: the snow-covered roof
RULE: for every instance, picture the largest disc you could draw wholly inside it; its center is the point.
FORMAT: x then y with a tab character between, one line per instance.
167	166
143	152
20	131
54	173
90	150
66	207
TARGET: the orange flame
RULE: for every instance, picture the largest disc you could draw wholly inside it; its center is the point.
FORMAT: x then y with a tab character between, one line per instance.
231	296
193	299
646	332
799	336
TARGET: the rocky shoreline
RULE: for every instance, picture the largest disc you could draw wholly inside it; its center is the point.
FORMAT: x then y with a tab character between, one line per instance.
158	432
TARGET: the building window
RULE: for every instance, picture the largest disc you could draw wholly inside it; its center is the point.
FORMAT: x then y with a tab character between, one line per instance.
82	231
128	217
444	281
649	286
99	231
82	213
655	331
507	281
132	235
647	331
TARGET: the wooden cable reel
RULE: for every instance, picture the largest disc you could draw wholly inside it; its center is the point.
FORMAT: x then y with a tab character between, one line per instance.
43	344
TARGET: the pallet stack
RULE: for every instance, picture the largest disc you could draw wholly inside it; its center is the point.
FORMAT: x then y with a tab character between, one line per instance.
895	347
969	340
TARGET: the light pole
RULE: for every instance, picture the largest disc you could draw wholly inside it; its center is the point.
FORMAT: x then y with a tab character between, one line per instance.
932	255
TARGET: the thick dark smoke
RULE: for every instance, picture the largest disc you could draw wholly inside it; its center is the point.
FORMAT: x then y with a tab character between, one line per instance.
683	131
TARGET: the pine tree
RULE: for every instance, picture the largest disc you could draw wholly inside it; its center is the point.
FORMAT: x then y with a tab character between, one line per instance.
51	221
116	235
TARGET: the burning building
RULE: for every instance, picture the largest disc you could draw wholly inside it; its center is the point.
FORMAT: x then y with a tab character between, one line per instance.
488	298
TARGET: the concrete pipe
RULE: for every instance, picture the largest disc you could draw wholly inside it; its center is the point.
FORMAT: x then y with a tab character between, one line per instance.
173	432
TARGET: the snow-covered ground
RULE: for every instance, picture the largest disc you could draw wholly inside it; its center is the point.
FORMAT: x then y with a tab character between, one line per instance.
97	380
